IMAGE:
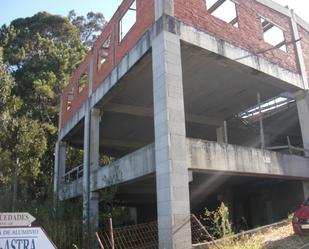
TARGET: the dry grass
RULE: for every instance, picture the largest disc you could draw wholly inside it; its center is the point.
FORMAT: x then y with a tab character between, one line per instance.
281	237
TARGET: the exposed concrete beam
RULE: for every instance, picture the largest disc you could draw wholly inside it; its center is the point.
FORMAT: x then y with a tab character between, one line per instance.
128	109
148	112
203	40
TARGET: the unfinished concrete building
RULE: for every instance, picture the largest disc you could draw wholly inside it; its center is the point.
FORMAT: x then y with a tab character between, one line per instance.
198	102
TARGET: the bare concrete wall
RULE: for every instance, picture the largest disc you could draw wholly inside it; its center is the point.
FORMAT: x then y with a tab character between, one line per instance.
205	155
133	166
202	156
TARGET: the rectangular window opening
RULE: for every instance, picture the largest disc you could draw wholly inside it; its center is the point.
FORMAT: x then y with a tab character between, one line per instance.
273	35
127	21
70	99
82	82
103	52
225	10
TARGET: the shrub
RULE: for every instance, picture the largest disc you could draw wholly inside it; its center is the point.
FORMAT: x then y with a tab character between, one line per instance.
217	222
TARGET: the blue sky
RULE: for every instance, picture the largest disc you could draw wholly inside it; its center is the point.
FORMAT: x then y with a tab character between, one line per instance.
12	9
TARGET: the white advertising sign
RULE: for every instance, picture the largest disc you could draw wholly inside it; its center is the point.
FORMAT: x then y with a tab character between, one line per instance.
24	238
16	219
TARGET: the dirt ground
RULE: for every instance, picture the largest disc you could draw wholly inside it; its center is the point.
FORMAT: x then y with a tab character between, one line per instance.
283	238
279	237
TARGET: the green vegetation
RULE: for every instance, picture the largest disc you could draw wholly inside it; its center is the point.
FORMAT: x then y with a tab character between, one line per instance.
38	55
277	236
217	222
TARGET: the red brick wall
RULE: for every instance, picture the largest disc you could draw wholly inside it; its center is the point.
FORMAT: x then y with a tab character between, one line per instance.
144	19
304	35
78	97
248	36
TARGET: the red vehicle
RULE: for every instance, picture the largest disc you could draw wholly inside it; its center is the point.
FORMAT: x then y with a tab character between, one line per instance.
300	221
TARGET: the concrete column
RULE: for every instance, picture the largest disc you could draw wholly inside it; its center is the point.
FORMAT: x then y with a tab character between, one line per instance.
86	178
222	133
299	51
60	161
262	137
302	101
94	165
173	203
91	162
164	7
94	217
95	139
306	189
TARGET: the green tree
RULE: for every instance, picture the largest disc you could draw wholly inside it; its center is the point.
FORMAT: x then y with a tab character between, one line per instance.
6	84
89	27
22	141
41	52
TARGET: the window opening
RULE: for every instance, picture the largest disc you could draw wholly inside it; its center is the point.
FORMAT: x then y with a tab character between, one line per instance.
70	99
127	21
104	52
82	82
273	35
225	10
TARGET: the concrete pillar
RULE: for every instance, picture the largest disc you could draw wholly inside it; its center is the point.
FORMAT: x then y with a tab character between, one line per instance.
262	135
222	133
60	162
299	51
306	189
94	165
302	100
91	163
173	203
86	179
94	217
95	139
164	7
